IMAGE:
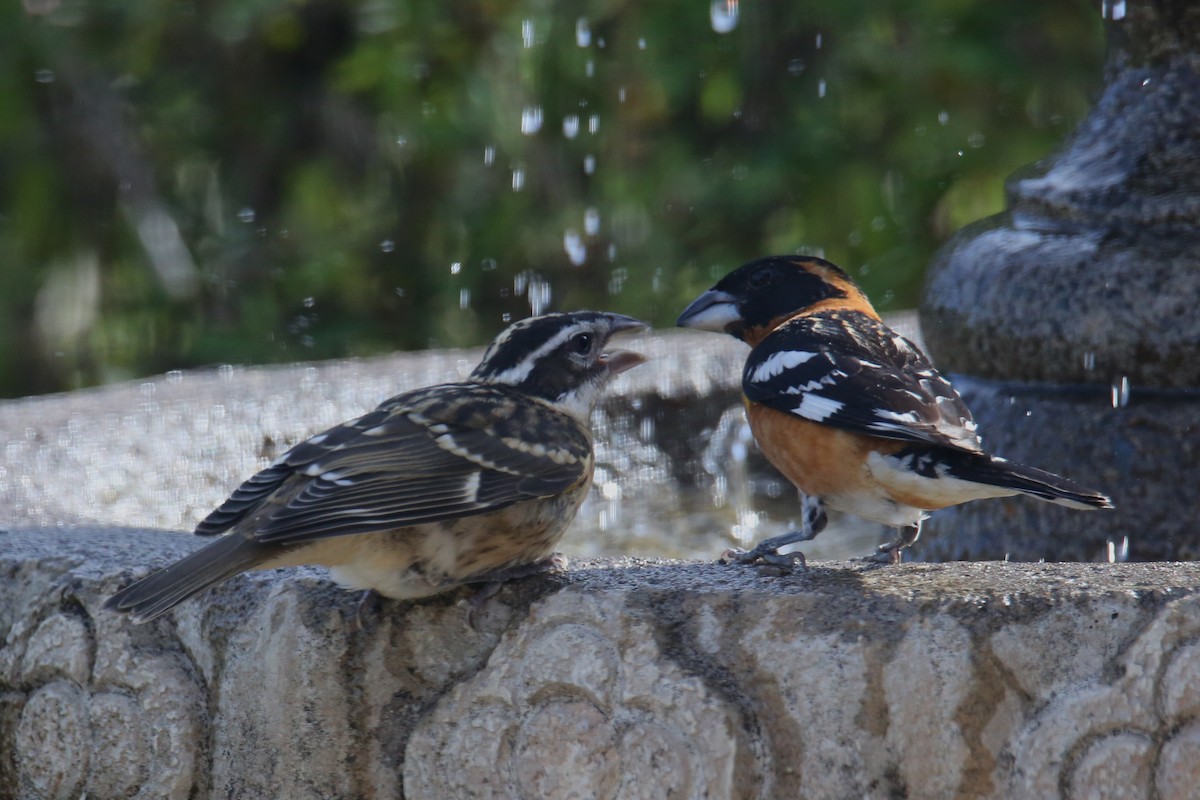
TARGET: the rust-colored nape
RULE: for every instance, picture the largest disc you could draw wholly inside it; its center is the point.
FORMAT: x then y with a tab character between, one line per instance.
853	299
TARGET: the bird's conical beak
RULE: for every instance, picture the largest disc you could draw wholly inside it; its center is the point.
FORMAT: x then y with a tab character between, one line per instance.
621	360
712	311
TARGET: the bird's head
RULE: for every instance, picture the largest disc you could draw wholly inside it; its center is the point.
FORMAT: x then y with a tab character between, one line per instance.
758	297
560	358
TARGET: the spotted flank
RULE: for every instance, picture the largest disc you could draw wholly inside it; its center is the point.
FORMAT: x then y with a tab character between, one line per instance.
846	369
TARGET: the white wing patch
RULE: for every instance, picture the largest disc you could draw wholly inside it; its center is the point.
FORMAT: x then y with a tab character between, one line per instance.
778	362
817	408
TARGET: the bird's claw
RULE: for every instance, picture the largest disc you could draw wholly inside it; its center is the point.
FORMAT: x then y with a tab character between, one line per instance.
770	562
368	604
883	556
492	582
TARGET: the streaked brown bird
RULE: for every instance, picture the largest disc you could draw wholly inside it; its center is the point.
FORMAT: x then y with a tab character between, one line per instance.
851	412
461	483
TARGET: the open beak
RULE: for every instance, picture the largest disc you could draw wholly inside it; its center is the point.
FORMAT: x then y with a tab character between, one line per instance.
619	361
712	311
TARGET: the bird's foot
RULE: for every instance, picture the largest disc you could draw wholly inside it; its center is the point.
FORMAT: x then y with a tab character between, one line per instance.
882	557
769	561
491	582
892	552
368	603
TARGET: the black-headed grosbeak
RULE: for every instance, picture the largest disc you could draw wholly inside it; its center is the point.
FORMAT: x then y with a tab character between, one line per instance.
851	412
471	482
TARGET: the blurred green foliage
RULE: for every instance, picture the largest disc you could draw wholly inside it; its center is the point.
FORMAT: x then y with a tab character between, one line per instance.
265	180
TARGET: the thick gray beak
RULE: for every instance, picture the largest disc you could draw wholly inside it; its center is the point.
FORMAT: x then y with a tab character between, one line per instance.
619	323
621	360
711	311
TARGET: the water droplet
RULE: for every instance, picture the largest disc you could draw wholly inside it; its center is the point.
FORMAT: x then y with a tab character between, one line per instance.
575	249
456	268
399	291
488	264
489	155
506	317
527	32
583	33
246	215
943	117
616	281
795	66
44	76
531	120
724	15
1089	361
1120	392
621	95
538	294
593	123
309	302
571	126
975	140
821	88
589	69
387	245
518	179
464	299
1145	82
589	164
591	222
307	341
641	44
1112	9
401	141
820	40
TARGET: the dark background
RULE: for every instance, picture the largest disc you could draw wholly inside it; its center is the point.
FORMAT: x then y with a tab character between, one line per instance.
239	181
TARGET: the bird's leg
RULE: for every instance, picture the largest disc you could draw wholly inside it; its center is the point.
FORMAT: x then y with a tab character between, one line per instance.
767	551
492	581
367	602
889	552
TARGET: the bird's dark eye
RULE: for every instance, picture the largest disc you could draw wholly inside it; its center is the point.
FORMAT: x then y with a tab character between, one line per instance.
760	278
581	343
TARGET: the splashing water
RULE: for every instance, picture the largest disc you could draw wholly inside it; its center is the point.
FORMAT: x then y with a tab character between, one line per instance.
531	120
1120	392
724	15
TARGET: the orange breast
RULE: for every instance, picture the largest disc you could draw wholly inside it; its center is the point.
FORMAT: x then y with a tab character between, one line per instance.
819	459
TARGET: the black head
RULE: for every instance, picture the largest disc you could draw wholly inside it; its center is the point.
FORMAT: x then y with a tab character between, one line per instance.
560	357
758	295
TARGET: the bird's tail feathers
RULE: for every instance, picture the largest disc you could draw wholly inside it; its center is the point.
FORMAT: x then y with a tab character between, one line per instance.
1034	482
163	590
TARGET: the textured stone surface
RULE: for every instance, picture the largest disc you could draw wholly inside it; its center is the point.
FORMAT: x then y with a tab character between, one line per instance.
1092	273
1089	281
614	679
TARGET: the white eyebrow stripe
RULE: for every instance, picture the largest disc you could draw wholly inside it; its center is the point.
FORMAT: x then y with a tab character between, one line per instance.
514	375
776	363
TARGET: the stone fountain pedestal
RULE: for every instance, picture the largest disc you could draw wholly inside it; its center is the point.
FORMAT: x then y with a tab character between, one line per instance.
1074	314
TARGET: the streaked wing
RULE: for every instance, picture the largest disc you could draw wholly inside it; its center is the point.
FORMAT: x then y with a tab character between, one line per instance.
848	370
421	457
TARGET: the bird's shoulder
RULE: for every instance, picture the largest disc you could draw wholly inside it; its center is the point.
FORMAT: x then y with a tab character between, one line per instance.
848	369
